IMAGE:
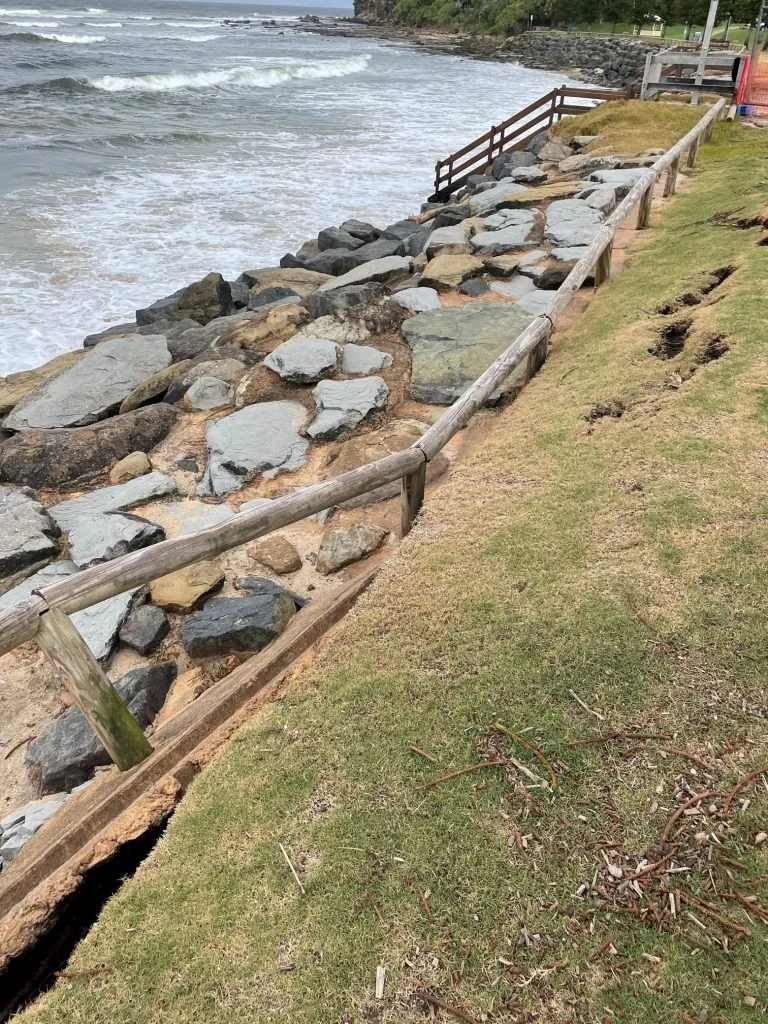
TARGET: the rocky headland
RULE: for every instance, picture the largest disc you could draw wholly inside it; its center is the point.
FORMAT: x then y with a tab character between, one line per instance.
227	394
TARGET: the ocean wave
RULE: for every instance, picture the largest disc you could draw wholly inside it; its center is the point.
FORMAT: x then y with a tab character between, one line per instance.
104	24
259	78
79	40
189	39
33	24
18	12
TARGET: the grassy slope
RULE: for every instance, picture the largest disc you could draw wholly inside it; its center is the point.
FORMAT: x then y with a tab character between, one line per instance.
624	560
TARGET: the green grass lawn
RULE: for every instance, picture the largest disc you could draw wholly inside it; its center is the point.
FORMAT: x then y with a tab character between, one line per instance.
593	577
736	33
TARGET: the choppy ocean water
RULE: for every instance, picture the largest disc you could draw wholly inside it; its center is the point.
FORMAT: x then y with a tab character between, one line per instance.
143	144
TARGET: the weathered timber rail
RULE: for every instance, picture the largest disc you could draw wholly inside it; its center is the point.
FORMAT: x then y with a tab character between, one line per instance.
514	134
35	618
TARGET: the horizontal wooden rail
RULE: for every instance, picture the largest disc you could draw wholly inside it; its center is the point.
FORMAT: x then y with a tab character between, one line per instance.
23	621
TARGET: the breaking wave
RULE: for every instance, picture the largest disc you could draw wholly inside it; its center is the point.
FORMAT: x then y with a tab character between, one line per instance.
259	78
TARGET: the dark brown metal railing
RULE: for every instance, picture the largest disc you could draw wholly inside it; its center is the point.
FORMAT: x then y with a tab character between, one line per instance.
513	134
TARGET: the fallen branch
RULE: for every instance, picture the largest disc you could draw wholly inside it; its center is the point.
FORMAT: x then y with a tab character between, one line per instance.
528	746
293	869
684	807
647	869
709	910
740	785
423	753
15	747
498	763
453	1010
581	704
688	757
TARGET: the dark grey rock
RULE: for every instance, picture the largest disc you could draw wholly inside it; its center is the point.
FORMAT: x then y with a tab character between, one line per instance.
342	404
337	238
198	339
326	303
361	229
261	585
118	331
27	533
261	438
507	162
377	250
451	215
230	624
387	269
144	629
205	300
535	144
240	292
68	751
415	243
188	464
475	286
161	309
93	387
547	276
100	538
270	295
401	229
50	458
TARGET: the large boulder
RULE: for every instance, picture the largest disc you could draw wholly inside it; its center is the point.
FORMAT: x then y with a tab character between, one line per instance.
388	269
347	544
324	304
510	229
262	438
27	533
299	280
207	394
50	458
620	180
92	388
232	624
160	309
304	360
450	240
271	296
452	347
571	222
554	151
445	272
205	300
491	198
277	553
261	331
337	238
507	162
343	331
117	498
196	341
343	404
16	386
525	293
155	387
145	629
364	359
361	229
68	751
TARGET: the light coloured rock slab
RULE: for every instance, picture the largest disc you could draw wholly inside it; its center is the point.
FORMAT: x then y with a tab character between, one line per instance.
452	238
181	517
94	386
364	359
342	404
262	438
526	295
490	198
100	538
388	268
304	360
341	331
117	498
417	300
452	347
16	386
208	394
571	222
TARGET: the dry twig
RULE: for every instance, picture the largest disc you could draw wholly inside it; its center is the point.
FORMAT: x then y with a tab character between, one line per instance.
684	807
455	1011
293	869
581	704
740	785
498	763
423	753
15	747
528	746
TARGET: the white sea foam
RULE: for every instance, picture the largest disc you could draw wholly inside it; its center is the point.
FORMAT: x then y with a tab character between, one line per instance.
33	24
259	78
104	24
189	39
17	12
80	40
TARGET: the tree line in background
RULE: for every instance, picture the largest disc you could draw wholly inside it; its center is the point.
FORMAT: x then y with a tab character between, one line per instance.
512	16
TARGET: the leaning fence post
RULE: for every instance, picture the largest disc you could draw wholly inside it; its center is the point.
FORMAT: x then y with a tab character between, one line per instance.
690	162
670	185
98	700
411	497
644	209
603	265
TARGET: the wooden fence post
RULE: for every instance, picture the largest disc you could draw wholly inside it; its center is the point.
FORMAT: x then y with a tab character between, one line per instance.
536	359
603	265
670	184
691	161
98	700
644	209
411	497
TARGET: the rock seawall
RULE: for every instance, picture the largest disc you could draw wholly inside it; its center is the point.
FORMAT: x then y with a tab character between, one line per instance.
604	61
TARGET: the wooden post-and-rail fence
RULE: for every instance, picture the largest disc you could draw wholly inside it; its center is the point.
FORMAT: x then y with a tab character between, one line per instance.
45	615
514	134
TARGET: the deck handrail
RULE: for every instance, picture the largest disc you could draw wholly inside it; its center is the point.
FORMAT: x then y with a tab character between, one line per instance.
540	114
58	637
